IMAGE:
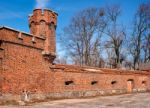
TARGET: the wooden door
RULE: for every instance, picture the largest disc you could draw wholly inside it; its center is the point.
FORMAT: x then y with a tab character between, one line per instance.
129	86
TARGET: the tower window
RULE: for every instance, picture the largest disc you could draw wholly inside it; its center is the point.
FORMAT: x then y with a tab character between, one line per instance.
69	82
52	26
42	28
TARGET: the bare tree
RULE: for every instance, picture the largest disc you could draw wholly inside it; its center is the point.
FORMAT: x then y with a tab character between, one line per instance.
141	28
116	33
146	48
84	35
61	60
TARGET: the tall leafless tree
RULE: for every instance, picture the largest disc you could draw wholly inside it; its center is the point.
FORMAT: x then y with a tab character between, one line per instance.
140	29
146	48
84	35
115	32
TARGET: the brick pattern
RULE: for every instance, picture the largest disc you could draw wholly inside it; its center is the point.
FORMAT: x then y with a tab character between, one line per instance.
104	77
43	24
24	68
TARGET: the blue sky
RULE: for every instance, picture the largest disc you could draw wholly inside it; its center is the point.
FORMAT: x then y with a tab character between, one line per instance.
14	13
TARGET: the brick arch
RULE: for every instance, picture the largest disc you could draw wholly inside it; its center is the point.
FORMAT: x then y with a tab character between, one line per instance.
42	20
52	24
130	80
32	22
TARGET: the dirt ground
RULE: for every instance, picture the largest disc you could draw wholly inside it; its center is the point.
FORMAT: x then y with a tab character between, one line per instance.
139	100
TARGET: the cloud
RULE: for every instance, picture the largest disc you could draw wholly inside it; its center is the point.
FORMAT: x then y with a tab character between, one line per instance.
41	3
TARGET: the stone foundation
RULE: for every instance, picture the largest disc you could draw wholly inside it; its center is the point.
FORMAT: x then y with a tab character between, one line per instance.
64	95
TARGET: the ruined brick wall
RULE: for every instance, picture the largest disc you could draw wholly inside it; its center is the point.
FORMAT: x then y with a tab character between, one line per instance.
92	82
25	68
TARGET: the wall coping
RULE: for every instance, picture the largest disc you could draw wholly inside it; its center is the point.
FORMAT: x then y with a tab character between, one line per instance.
87	69
27	34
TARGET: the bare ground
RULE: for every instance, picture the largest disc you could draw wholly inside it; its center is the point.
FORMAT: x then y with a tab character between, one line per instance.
139	100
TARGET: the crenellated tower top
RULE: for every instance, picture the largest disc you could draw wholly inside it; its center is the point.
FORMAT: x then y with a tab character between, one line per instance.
43	23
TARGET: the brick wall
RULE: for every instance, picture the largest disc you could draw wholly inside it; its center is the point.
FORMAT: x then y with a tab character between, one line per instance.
82	79
23	66
26	70
43	23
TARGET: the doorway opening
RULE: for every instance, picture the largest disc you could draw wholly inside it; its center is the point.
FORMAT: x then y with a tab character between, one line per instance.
130	85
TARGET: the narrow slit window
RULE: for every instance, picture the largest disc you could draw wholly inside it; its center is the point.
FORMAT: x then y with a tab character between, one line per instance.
69	82
1	45
143	82
113	82
42	28
94	82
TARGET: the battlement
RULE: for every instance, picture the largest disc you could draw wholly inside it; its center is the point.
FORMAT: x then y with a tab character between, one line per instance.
46	15
13	36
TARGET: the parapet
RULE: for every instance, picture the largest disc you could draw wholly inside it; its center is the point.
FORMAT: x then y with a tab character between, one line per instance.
95	70
21	38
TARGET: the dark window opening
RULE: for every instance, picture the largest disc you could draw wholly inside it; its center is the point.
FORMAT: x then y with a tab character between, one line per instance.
42	28
143	82
94	82
52	26
69	82
113	82
1	43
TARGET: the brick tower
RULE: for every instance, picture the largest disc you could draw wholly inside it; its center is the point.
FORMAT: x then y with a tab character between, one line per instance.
43	24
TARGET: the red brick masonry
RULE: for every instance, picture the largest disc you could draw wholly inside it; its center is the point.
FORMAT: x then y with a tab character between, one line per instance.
27	71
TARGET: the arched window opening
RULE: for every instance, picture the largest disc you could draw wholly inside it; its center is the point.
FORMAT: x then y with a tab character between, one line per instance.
52	26
32	23
42	28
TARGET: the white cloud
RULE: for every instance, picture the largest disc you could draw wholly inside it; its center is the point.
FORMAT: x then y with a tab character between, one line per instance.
41	3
